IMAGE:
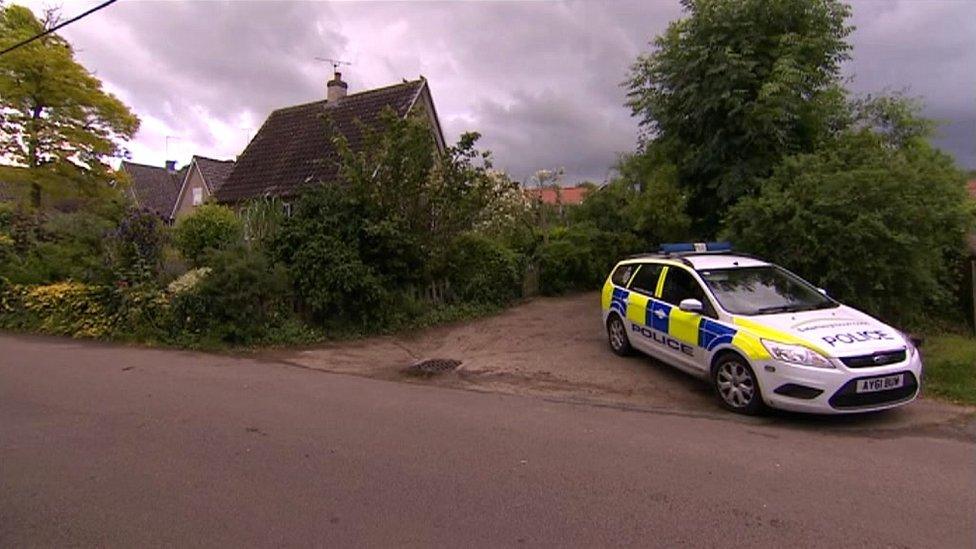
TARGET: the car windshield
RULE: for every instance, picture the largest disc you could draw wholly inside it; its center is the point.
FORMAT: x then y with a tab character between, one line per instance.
763	290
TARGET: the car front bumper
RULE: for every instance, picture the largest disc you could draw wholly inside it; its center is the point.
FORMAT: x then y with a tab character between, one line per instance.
832	390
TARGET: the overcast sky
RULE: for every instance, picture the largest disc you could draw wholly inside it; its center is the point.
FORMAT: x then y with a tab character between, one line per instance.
539	80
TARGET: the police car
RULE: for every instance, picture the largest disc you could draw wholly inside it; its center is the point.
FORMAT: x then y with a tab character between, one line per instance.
759	333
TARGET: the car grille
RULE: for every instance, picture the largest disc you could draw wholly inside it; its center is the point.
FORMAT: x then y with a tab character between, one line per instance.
847	397
877	359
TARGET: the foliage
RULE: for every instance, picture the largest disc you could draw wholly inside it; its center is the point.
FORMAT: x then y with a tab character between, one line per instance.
879	227
950	367
644	200
482	270
579	257
261	218
357	248
64	308
508	213
209	227
136	246
188	281
236	300
321	245
46	247
735	86
53	112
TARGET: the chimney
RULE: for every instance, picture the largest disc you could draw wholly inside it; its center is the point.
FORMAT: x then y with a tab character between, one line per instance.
171	166
336	88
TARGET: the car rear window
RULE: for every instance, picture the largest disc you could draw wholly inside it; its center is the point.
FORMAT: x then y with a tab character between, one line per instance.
621	275
646	279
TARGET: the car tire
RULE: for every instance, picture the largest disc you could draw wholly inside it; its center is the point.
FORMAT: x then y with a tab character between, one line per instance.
617	336
736	385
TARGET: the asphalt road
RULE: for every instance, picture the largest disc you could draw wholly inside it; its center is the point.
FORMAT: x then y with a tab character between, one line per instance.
117	446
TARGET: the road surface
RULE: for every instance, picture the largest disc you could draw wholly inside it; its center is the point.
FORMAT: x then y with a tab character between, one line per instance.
119	446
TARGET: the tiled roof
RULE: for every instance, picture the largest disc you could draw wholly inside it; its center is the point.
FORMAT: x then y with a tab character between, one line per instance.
154	188
293	148
215	172
566	195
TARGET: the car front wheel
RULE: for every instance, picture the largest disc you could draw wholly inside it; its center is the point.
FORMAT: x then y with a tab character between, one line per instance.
736	385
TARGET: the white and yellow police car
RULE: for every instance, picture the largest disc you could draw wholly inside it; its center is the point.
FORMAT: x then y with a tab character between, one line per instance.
759	333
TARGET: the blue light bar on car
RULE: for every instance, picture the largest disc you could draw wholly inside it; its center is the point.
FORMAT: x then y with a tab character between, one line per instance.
685	247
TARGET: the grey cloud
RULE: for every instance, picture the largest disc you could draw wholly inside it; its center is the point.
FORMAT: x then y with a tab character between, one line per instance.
540	80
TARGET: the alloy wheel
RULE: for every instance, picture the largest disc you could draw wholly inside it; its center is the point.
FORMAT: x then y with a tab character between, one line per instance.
735	384
618	338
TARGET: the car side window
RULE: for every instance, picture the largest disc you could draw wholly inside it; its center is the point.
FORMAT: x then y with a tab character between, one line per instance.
645	281
621	276
680	285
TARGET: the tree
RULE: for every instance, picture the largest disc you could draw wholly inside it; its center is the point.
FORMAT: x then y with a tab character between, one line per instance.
54	114
735	86
551	180
880	227
644	200
210	227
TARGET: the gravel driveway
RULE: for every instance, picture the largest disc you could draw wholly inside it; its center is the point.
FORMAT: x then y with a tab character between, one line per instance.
556	348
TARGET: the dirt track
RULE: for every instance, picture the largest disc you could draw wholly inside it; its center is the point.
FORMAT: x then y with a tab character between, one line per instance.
556	347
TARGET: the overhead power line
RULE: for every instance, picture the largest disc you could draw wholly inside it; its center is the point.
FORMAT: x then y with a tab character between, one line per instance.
58	26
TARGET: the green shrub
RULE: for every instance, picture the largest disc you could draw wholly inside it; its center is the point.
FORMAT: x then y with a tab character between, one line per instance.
136	246
236	301
580	257
210	227
481	270
64	308
337	253
41	248
880	228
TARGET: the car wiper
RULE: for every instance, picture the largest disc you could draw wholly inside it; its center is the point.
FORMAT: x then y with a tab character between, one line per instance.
777	309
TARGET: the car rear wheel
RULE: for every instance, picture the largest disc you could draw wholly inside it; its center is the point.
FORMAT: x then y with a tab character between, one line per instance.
736	385
617	334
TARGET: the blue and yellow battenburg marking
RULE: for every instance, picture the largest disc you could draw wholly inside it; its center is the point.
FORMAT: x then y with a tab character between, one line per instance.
690	328
661	317
618	301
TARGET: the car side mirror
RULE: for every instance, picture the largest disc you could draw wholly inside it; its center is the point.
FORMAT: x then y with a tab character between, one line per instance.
822	290
691	306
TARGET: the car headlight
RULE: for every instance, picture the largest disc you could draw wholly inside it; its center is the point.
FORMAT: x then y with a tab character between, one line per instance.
796	354
908	344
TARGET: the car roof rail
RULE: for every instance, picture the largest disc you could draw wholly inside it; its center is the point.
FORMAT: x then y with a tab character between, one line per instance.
654	255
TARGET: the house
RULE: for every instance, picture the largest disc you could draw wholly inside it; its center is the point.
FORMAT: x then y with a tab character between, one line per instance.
154	188
172	193
203	177
562	196
293	148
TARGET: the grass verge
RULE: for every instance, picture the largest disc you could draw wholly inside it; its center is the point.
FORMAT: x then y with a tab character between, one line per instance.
950	368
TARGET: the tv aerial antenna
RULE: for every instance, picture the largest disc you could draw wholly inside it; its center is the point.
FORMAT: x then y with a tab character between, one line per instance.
336	63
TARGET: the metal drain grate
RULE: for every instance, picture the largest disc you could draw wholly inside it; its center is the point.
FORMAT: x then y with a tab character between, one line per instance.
432	367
